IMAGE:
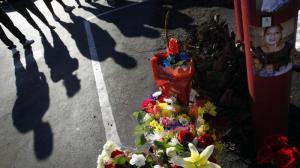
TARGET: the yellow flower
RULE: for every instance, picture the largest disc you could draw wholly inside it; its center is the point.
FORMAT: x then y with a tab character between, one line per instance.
210	108
201	111
159	129
166	109
197	160
153	123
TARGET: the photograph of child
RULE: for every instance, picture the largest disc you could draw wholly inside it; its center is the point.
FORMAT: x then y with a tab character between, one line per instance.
274	57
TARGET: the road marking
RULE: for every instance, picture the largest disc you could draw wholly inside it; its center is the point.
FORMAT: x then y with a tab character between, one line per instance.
106	112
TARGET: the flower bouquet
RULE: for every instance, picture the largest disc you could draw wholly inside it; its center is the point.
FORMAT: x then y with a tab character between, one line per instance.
112	156
177	133
173	72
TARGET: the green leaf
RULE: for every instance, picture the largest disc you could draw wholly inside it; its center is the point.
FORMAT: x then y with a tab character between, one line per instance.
121	160
140	140
179	148
138	130
136	114
161	145
139	115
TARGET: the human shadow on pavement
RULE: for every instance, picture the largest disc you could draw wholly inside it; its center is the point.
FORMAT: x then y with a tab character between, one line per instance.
144	19
62	66
31	104
107	43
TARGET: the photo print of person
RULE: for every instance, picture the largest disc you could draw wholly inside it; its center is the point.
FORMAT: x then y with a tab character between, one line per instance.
273	51
269	6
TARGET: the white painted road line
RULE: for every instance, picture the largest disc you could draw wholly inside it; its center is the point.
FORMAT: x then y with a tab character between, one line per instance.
106	112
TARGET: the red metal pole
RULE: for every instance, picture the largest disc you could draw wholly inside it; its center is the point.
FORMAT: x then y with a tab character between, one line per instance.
238	20
246	23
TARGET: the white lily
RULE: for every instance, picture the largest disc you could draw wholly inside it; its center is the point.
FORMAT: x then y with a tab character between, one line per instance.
197	160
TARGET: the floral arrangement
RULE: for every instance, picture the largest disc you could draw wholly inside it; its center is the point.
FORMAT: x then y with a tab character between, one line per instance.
277	152
113	156
178	136
175	58
173	72
176	133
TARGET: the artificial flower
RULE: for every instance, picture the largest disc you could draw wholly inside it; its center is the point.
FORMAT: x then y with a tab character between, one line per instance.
166	109
154	137
147	105
205	140
156	94
169	100
153	123
277	142
146	117
102	159
138	160
174	141
171	151
109	147
210	108
184	119
108	164
173	47
201	111
116	153
197	160
185	136
284	158
159	129
165	121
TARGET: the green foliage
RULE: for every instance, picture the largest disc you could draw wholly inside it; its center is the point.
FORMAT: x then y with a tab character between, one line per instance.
139	115
140	139
161	145
120	160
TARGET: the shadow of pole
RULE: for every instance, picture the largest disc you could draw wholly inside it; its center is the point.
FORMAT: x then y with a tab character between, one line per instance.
31	104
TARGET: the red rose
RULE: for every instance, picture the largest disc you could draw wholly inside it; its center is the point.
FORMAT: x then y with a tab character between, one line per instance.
116	153
265	155
185	136
205	140
284	158
173	47
147	105
174	166
296	152
277	142
108	164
